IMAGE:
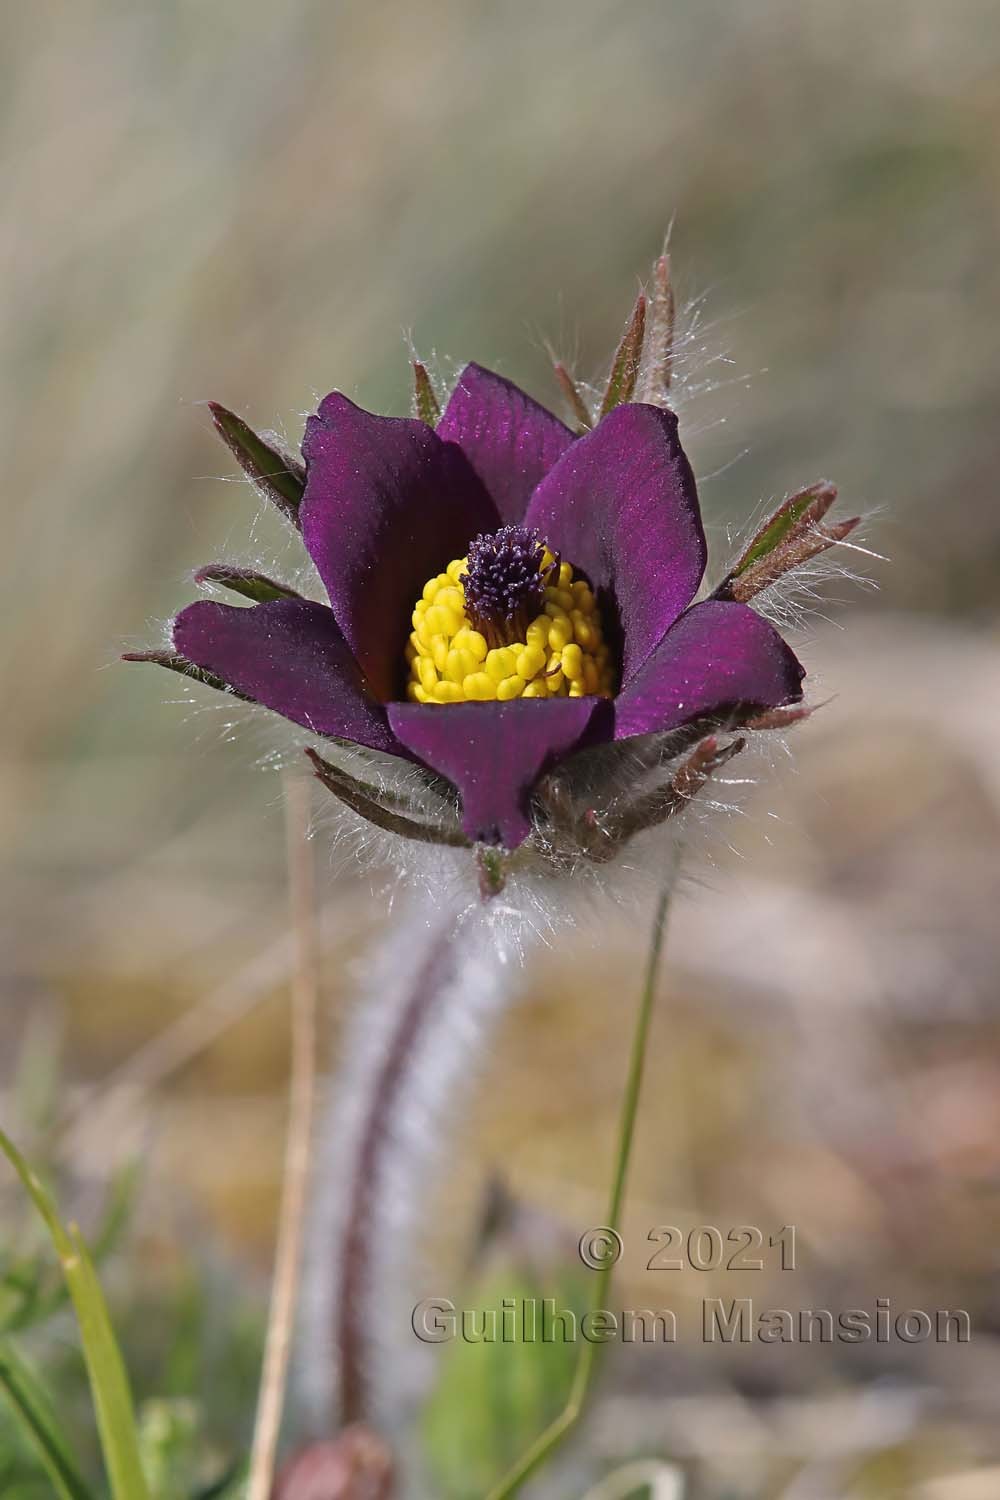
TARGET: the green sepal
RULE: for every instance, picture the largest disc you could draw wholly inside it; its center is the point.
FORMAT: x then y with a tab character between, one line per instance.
426	405
174	662
628	357
281	477
490	867
804	508
252	585
368	803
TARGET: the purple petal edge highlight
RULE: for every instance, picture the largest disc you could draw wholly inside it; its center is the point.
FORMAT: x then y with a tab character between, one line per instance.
717	656
509	439
290	656
621	504
387	505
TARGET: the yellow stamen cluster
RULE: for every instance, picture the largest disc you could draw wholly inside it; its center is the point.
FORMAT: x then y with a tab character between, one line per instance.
563	653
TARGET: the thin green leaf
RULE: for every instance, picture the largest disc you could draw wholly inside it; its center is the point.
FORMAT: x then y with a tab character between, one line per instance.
109	1384
31	1406
109	1381
628	356
39	1195
255	586
426	405
281	478
804	508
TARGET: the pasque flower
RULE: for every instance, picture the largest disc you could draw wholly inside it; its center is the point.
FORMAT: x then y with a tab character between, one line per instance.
505	592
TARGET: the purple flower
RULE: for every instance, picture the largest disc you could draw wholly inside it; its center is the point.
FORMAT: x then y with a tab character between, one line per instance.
503	594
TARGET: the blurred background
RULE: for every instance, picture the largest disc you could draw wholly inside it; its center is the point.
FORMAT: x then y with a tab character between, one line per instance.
258	203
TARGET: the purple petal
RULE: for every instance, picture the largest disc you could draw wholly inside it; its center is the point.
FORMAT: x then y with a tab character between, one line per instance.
495	752
387	505
290	656
718	655
621	504
509	439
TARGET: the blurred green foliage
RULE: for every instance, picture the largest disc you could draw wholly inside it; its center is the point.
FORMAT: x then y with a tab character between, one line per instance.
495	1395
187	1439
197	1344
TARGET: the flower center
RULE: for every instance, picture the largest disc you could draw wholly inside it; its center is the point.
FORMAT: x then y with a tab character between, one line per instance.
505	583
508	621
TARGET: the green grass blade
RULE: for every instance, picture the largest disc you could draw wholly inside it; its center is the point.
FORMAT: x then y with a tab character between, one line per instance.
31	1406
33	1286
108	1380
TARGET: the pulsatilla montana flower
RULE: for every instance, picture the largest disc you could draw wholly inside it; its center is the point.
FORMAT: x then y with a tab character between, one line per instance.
510	599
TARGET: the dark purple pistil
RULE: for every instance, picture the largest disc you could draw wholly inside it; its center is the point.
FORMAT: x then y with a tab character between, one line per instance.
505	584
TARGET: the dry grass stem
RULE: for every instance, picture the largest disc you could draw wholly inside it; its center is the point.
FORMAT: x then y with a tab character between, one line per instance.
298	1149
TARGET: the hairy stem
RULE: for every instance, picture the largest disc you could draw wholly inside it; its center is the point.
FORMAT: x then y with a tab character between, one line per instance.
433	985
360	1224
547	1441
